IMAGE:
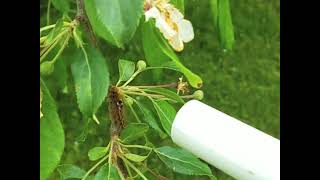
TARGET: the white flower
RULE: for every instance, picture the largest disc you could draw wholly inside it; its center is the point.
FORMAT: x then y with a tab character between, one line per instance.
170	22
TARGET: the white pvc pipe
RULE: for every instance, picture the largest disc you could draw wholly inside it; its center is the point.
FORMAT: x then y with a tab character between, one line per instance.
239	150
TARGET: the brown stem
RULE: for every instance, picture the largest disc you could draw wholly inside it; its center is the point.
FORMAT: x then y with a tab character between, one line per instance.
80	7
122	168
115	106
81	16
115	161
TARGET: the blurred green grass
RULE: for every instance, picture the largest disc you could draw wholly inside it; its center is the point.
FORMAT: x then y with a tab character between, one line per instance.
244	83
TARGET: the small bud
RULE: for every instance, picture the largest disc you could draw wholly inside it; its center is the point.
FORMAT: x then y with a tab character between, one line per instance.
141	65
198	95
46	68
129	101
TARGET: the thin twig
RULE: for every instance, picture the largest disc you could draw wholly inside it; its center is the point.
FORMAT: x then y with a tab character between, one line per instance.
94	167
144	94
134	168
173	85
48	12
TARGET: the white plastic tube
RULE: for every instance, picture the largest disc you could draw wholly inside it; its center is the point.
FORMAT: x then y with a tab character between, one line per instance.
239	150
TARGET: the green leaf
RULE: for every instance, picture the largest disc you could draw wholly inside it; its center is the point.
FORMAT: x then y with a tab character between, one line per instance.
91	78
126	69
133	131
61	5
97	153
166	114
182	161
214	11
213	178
60	73
135	157
153	53
158	52
91	177
58	79
167	65
226	33
103	173
114	20
150	119
68	171
84	132
167	93
51	135
46	68
179	4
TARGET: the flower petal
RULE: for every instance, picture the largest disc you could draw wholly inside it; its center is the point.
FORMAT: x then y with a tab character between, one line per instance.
152	13
185	30
167	31
176	43
175	14
162	3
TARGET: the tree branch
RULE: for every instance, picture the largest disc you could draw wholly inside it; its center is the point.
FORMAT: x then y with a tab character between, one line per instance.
82	17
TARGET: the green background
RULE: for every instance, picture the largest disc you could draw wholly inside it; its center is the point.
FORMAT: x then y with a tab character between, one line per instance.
244	83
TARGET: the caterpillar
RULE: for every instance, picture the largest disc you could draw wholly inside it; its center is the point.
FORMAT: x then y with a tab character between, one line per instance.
115	106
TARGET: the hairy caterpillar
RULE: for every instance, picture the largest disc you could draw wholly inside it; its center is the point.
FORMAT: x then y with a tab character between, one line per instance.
115	110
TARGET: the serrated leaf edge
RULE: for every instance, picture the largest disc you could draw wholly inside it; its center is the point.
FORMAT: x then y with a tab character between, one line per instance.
156	150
